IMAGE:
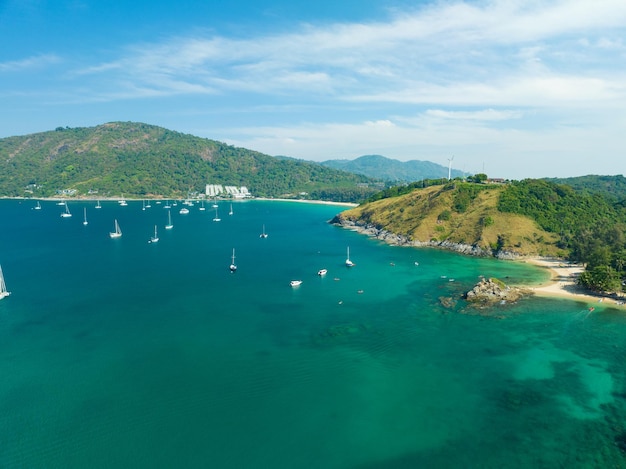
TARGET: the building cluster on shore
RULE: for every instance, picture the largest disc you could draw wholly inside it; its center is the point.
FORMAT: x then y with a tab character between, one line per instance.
216	190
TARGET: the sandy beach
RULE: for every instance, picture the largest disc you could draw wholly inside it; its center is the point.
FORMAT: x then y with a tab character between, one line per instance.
563	283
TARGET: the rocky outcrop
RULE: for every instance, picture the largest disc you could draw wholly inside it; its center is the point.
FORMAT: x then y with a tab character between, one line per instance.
491	291
400	240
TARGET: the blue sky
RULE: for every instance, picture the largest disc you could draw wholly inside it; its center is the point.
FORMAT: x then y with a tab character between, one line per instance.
512	88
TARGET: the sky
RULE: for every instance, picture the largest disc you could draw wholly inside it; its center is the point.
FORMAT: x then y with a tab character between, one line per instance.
510	88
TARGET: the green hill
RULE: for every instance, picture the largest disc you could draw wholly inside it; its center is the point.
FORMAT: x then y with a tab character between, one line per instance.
140	160
530	217
380	167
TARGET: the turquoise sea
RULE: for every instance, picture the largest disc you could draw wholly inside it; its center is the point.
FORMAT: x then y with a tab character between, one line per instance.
124	353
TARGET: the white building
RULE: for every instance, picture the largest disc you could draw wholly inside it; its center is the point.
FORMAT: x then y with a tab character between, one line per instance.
215	190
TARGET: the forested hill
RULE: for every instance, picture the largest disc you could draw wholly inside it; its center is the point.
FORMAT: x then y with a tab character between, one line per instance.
612	186
529	217
380	167
141	160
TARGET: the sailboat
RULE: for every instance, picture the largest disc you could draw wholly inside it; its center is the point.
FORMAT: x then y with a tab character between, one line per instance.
155	238
148	205
349	263
85	222
233	266
202	206
117	233
217	218
122	201
143	204
215	202
167	204
38	206
98	204
231	209
263	234
3	287
169	225
67	213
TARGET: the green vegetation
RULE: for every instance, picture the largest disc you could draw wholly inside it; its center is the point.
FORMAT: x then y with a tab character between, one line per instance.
140	160
529	217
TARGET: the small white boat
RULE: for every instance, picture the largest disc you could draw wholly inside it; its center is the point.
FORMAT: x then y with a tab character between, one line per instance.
295	283
98	205
217	218
61	203
67	213
148	205
215	202
85	222
263	233
349	263
167	205
202	206
3	287
38	206
155	238
169	225
233	266
118	232
122	202
322	272
184	211
231	209
143	205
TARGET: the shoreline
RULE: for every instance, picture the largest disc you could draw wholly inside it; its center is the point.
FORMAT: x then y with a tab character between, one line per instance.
89	199
563	283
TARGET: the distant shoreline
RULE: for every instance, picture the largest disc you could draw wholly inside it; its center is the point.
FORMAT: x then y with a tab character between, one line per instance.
88	199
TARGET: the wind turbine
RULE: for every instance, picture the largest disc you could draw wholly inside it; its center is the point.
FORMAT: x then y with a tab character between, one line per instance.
450	167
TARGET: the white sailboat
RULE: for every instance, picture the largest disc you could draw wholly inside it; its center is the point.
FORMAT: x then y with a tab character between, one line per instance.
184	211
118	232
67	213
143	204
85	222
349	263
3	287
148	205
217	218
233	266
167	204
98	204
202	206
231	209
169	225
215	202
263	233
38	206
155	238
122	201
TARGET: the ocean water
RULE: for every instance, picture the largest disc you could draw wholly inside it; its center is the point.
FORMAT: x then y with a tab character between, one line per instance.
125	353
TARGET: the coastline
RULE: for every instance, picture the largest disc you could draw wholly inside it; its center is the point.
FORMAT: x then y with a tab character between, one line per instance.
563	283
306	201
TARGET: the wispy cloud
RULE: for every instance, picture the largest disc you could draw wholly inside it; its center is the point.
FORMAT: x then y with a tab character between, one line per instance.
496	53
29	63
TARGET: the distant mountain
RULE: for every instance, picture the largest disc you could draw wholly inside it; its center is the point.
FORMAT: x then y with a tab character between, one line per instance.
141	160
380	167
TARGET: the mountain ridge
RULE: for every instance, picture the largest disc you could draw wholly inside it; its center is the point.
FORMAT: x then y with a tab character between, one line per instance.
391	170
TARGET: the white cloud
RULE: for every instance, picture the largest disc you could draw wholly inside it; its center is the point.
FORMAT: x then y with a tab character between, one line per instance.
29	63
